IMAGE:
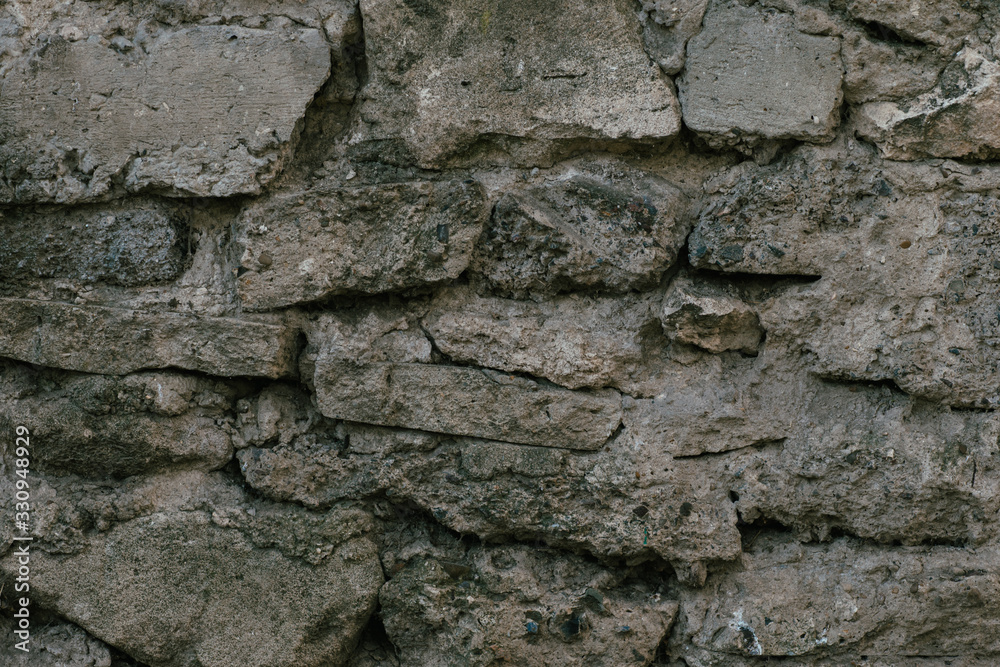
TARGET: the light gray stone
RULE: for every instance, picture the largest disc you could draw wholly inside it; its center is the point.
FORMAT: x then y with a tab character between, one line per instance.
445	77
751	76
204	111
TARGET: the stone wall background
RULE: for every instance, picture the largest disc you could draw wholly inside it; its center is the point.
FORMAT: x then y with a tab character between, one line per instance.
480	332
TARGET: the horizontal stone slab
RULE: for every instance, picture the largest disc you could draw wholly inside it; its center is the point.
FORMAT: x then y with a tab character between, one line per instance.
204	111
116	341
465	401
305	246
446	75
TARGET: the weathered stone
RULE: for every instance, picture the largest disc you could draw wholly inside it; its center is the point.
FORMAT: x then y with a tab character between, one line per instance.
667	25
871	462
583	232
860	599
628	501
519	605
106	426
575	341
306	246
77	117
955	119
466	401
940	22
187	570
711	317
51	643
129	246
444	77
117	341
906	294
875	70
751	76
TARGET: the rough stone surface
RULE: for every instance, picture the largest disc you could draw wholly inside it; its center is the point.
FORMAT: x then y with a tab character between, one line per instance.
188	570
713	319
476	356
583	231
458	606
128	246
156	117
445	77
306	246
751	76
97	339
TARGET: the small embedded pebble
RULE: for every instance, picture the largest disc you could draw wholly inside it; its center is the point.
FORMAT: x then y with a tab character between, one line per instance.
265	259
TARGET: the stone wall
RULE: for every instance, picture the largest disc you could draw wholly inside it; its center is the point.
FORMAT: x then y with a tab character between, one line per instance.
483	332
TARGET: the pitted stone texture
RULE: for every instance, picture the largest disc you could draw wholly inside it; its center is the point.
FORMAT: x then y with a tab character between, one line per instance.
907	257
751	76
466	401
449	605
100	426
862	599
943	23
51	643
667	25
137	244
574	341
871	462
713	317
116	341
78	117
585	231
956	119
186	570
445	76
308	245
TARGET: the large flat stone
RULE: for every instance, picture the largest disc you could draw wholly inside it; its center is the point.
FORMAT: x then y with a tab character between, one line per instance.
204	111
304	246
465	401
187	570
445	75
116	341
575	341
750	76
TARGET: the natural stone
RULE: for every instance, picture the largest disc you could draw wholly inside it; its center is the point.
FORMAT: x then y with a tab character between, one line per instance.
520	605
751	76
905	295
52	643
467	401
667	25
116	341
954	119
867	600
713	319
79	117
583	231
101	426
191	571
575	341
446	77
306	246
141	244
